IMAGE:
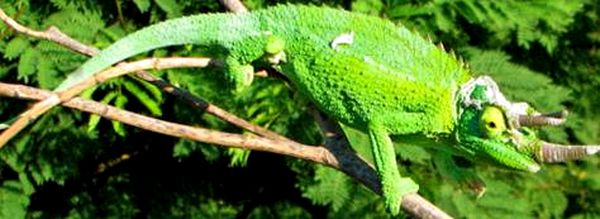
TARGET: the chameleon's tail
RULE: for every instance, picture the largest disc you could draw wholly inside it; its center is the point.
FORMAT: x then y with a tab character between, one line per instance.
214	29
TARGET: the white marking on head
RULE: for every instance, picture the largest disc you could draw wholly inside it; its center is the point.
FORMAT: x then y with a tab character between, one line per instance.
494	96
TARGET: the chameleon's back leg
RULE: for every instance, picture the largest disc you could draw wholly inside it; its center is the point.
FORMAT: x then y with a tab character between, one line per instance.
393	186
237	63
239	75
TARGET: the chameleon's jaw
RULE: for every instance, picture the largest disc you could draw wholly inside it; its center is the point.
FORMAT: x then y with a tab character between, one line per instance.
500	152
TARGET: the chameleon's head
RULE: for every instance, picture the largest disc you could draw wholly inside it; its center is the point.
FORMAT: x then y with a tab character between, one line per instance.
491	128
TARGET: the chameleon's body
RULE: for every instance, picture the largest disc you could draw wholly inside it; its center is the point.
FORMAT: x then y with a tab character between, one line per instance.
386	69
387	81
383	80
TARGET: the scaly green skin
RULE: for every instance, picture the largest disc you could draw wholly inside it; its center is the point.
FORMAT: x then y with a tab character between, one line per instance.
388	81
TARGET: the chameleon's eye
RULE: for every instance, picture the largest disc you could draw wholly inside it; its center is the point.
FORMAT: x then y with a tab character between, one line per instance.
492	122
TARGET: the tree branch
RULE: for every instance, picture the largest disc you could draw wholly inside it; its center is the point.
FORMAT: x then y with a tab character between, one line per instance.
307	152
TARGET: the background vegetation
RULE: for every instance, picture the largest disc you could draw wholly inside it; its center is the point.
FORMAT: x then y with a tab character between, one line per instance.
73	165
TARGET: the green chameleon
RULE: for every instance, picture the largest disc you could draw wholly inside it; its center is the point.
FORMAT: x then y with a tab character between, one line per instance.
365	72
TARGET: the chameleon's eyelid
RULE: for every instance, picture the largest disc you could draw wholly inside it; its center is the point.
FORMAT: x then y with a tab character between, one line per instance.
504	118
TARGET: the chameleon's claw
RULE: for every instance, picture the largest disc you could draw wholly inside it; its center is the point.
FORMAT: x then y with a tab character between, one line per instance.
277	58
552	119
552	153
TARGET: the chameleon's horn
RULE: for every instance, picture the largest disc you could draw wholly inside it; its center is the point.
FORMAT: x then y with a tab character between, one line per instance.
552	119
552	153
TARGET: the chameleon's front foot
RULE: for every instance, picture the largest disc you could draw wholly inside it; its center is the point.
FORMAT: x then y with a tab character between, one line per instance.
394	192
393	186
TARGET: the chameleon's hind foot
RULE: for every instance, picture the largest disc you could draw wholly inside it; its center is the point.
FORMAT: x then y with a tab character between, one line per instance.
240	76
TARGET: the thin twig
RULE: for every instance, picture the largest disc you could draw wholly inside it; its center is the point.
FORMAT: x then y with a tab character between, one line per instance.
52	34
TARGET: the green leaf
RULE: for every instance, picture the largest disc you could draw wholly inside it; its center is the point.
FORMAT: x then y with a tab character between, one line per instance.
118	126
5	70
152	105
331	188
359	142
142	5
239	157
13	201
28	63
95	119
87	94
156	92
367	6
172	7
15	47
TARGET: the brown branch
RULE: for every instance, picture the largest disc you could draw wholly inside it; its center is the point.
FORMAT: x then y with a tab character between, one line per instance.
312	153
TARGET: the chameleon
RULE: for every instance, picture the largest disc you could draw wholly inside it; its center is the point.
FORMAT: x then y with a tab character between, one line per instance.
365	72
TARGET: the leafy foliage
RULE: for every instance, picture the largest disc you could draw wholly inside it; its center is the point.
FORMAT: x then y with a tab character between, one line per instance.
73	165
